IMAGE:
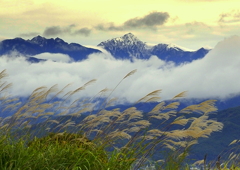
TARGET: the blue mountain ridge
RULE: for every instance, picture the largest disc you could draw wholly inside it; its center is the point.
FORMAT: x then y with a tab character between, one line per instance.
130	47
38	45
126	47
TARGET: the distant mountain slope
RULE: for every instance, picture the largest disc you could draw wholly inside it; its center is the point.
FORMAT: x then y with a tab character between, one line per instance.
130	47
39	45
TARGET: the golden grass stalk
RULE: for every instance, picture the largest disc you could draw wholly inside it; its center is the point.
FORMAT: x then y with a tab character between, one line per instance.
130	73
182	94
234	142
154	93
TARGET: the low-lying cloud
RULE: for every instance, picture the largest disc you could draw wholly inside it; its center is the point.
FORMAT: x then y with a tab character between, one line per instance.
54	57
216	75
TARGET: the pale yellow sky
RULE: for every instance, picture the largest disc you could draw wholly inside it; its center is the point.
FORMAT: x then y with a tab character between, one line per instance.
189	23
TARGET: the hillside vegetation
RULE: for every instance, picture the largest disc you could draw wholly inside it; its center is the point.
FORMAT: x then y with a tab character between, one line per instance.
50	131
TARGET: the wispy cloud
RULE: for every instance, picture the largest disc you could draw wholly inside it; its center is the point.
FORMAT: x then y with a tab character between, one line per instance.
216	75
195	26
232	16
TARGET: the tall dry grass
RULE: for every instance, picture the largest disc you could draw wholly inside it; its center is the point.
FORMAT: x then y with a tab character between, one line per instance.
130	137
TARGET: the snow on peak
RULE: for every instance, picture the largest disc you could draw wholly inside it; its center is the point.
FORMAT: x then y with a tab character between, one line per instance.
58	40
178	47
38	40
130	40
130	36
207	47
125	40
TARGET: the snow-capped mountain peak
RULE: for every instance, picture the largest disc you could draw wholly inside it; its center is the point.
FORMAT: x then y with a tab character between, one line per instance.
38	40
170	46
207	47
59	40
127	39
130	37
125	47
178	47
129	46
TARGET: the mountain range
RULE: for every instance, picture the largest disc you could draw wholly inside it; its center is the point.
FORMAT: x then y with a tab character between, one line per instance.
127	47
130	47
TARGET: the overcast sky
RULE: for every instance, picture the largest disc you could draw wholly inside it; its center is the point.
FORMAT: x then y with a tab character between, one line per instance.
216	75
188	23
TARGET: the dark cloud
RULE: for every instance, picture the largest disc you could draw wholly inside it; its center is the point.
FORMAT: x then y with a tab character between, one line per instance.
151	21
83	31
229	17
52	31
31	34
57	30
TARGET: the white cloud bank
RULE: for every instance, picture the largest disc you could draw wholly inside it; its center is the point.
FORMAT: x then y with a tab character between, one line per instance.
216	75
54	57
